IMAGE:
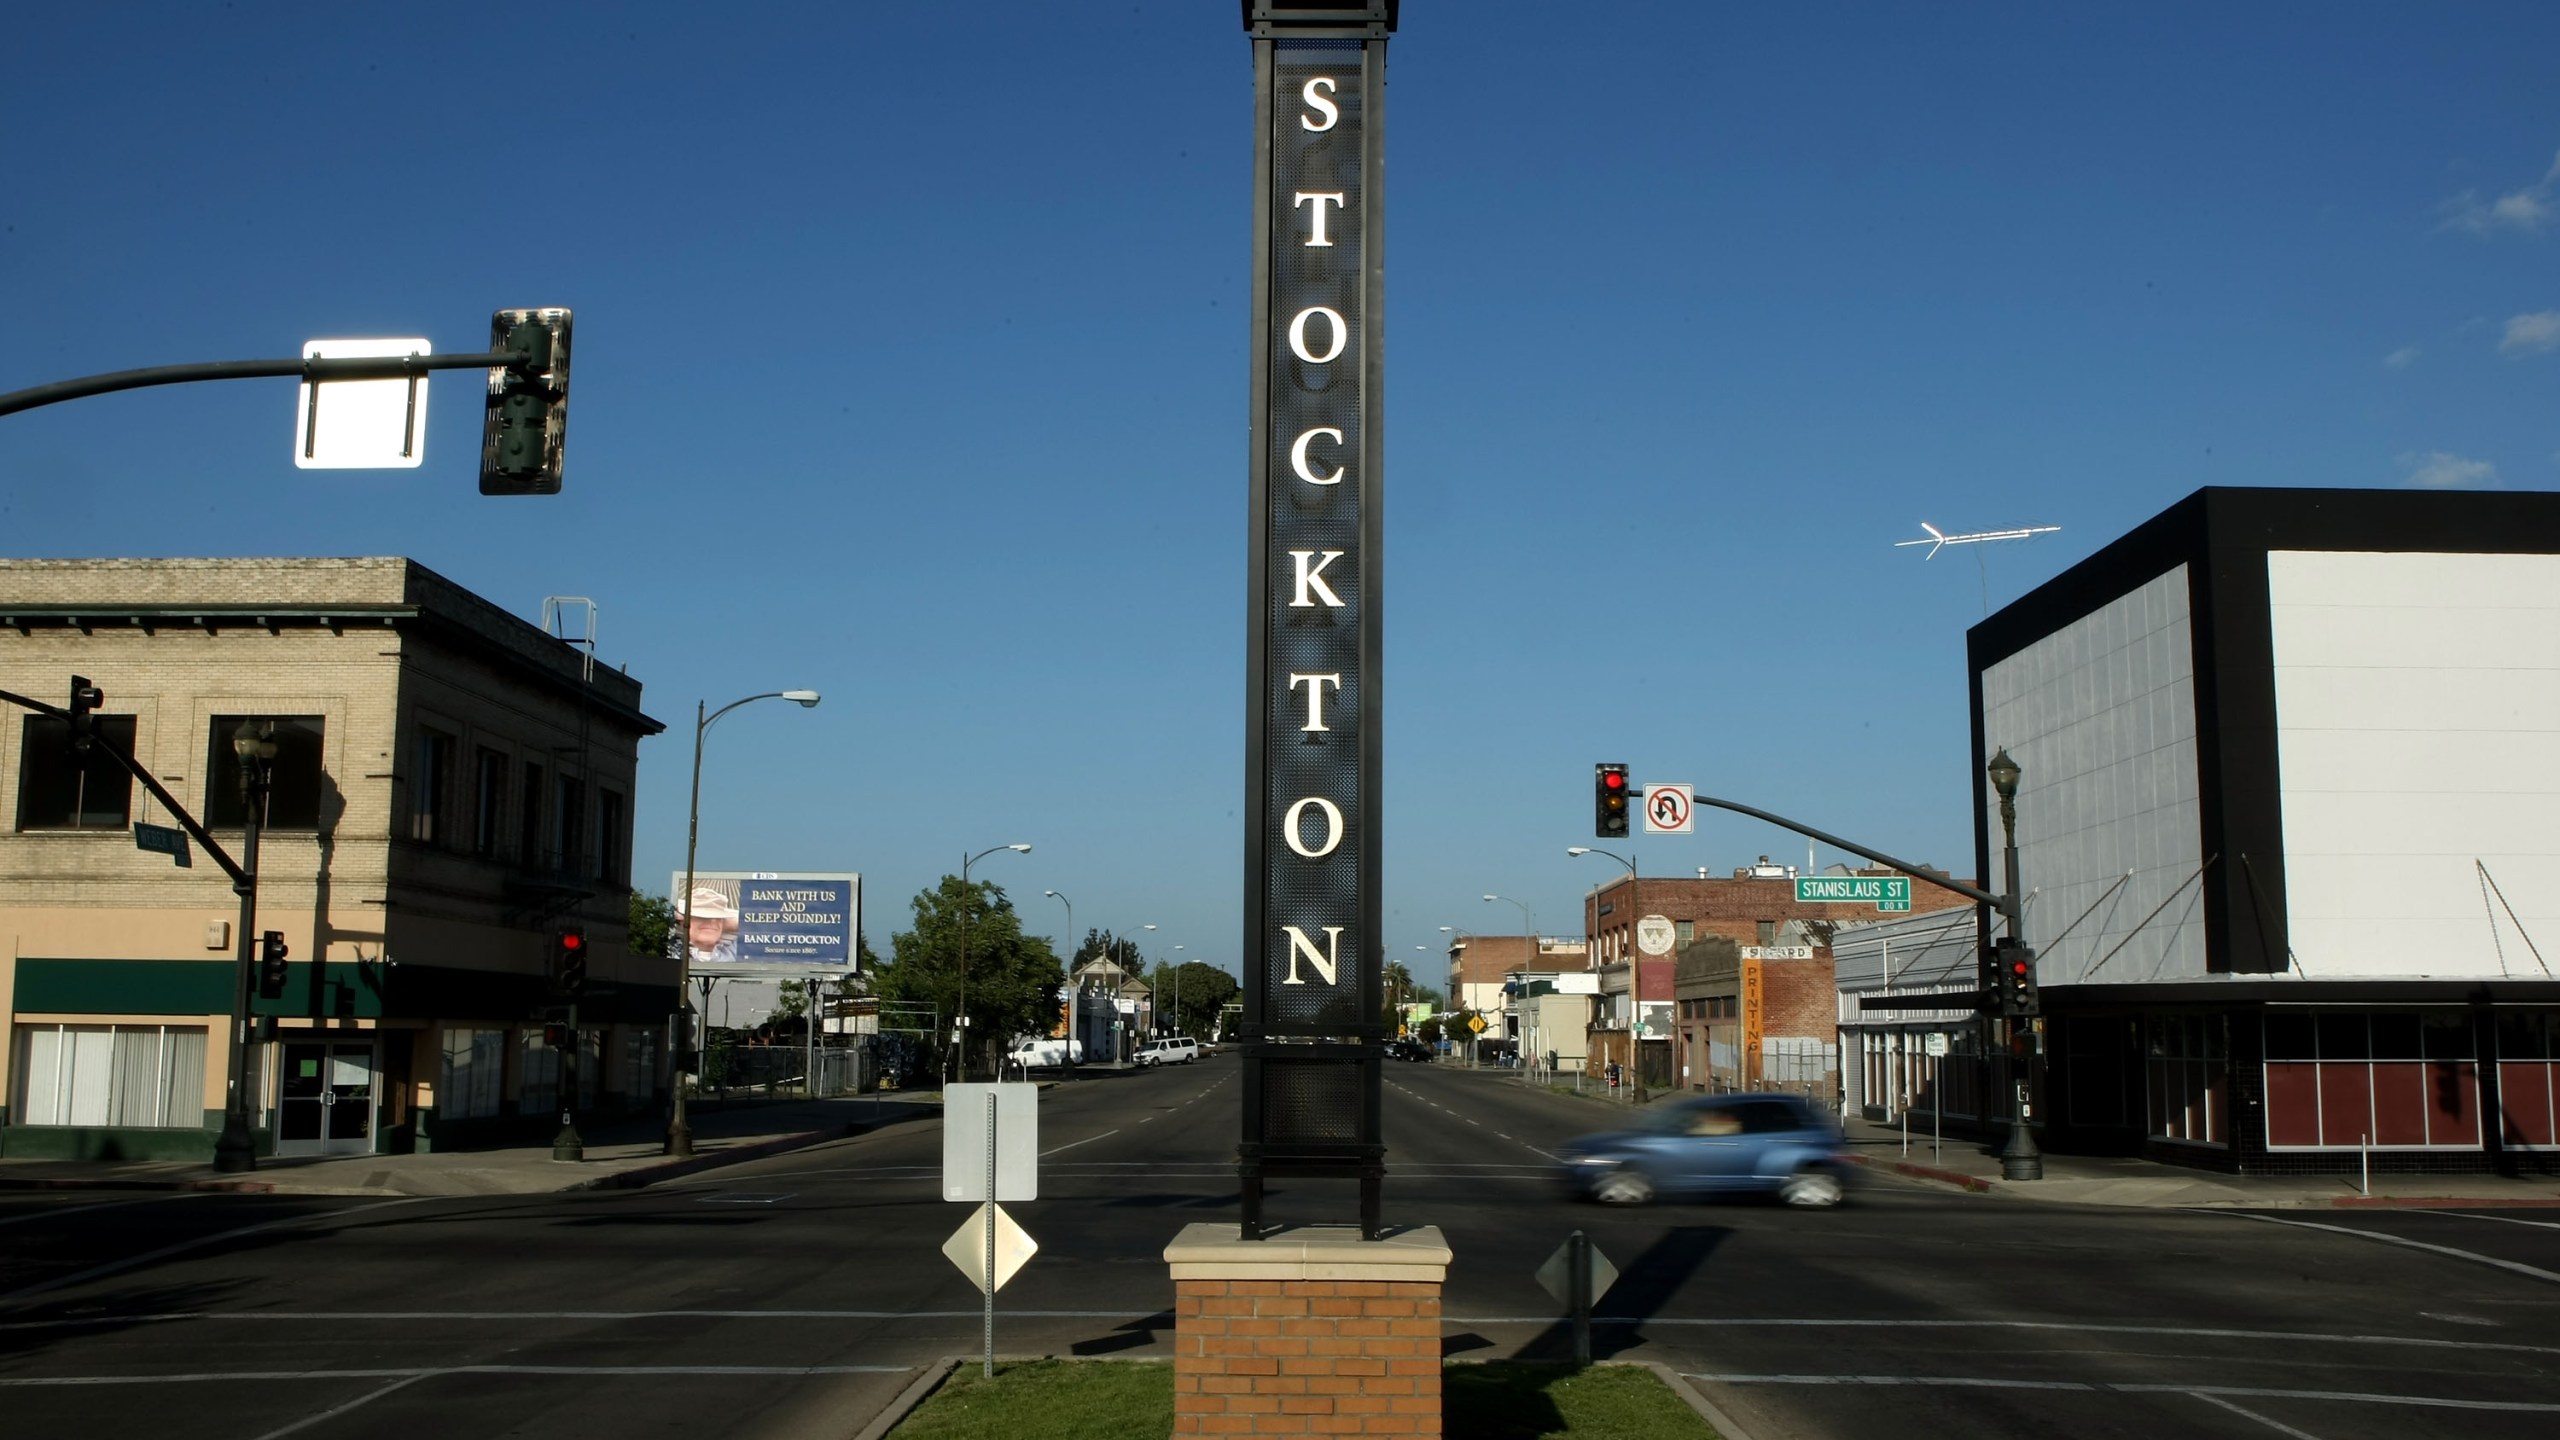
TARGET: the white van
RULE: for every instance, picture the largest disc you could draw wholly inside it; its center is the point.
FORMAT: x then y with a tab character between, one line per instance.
1171	1050
1034	1054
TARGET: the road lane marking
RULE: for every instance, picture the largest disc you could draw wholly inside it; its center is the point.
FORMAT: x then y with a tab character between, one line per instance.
2278	1426
117	1267
430	1372
333	1412
2109	1387
2516	1266
103	1205
2448	1214
412	1317
1070	1145
2421	1342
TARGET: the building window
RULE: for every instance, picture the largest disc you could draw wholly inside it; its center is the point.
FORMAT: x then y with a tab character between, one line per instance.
430	784
2188	1058
2529	1079
61	789
538	1071
488	802
296	776
1768	932
142	1076
569	827
1686	929
2404	1079
613	844
529	797
469	1076
639	1062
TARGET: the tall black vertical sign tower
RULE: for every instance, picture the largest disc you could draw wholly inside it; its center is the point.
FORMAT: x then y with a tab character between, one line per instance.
1312	1008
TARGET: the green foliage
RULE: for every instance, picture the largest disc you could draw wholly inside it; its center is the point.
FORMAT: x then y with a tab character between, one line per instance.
1203	989
653	919
1013	979
1517	1400
1119	950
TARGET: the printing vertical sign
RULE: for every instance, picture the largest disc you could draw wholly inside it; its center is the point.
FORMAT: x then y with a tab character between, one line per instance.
1316	531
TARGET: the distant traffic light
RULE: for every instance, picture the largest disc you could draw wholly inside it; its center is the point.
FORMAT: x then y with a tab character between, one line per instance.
1609	801
2014	975
527	422
569	963
271	972
85	699
559	1037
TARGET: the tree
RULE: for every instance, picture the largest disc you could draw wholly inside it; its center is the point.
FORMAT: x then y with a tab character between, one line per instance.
653	922
1014	979
1201	990
1103	945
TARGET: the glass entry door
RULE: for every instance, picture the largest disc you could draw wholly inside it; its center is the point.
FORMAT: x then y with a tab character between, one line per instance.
325	1099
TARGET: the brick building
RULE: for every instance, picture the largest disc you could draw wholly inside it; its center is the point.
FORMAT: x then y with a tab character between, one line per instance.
1479	965
1770	1004
452	788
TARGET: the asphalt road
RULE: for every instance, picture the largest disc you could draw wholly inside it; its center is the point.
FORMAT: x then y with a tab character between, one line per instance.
794	1296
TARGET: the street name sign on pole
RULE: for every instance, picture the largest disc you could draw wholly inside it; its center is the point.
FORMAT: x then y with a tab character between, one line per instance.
1670	809
166	840
1885	892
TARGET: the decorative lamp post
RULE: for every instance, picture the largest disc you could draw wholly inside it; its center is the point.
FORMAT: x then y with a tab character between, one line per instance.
2019	1159
965	897
236	1149
679	1139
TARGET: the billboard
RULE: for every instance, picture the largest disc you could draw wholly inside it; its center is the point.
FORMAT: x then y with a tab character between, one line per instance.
785	921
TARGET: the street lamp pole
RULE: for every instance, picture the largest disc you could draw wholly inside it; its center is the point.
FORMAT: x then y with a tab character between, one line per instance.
236	1149
679	1139
1635	971
2019	1159
967	860
1071	978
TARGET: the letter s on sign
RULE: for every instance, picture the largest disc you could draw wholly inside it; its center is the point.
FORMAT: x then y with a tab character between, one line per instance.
1319	104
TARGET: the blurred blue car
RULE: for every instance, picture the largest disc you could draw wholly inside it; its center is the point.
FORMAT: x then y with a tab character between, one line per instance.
1775	1145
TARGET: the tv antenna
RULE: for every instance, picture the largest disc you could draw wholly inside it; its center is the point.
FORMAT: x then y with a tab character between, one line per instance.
1938	540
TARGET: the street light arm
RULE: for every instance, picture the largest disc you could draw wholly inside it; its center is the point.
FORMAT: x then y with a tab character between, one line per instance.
706	721
2006	905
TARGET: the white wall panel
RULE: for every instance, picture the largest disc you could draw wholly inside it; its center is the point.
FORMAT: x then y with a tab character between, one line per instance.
2101	717
2418	735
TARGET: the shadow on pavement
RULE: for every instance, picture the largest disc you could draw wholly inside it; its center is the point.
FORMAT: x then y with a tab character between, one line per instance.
1644	1285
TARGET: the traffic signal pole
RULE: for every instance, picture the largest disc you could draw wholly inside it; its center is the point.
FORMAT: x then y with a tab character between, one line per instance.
315	370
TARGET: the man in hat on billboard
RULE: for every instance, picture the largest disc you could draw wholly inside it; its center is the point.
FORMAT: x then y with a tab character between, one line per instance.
711	927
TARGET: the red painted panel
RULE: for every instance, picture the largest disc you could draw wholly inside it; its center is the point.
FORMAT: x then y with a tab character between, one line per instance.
2524	1093
2293	1102
2346	1106
2399	1102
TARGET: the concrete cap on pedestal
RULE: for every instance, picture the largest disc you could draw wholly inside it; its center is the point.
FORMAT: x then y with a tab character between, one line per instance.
1206	1251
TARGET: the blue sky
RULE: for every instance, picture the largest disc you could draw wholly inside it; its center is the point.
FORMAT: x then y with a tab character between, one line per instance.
911	367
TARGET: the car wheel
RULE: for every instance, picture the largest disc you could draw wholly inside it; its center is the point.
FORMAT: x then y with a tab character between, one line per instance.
1812	1189
1625	1185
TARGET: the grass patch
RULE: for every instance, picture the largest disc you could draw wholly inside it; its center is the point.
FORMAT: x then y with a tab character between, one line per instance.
1047	1400
1120	1399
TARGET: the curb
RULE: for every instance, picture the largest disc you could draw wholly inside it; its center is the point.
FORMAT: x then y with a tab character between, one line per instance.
240	1187
916	1393
640	1175
1722	1423
2445	1202
1957	1178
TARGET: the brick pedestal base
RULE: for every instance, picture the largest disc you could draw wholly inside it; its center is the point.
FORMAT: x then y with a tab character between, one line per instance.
1312	1331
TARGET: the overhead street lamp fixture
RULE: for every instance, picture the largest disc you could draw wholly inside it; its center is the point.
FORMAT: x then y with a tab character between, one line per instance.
679	1139
1070	962
1020	847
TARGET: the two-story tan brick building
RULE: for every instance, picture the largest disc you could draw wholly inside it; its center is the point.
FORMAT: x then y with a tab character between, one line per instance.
452	788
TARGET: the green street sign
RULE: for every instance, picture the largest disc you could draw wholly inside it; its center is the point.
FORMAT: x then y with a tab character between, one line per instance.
163	840
1885	892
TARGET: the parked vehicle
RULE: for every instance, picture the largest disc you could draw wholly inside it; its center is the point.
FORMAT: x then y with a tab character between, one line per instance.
1168	1050
1775	1145
1034	1054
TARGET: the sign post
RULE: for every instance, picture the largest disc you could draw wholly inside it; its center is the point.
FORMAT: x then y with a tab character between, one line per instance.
1312	1037
990	1152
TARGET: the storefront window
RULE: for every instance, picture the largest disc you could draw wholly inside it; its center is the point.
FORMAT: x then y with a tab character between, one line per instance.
2389	1079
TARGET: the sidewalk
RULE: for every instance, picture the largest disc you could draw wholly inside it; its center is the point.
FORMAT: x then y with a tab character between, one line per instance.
1968	1163
624	1153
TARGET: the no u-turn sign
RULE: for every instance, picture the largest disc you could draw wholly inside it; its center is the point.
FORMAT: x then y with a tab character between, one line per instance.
1669	809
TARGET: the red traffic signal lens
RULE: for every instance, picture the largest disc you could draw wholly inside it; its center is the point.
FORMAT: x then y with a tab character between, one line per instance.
572	940
1614	780
2017	967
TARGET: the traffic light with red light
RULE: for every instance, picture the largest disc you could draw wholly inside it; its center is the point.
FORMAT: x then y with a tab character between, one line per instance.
2013	971
569	962
1609	801
528	410
271	971
559	1037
